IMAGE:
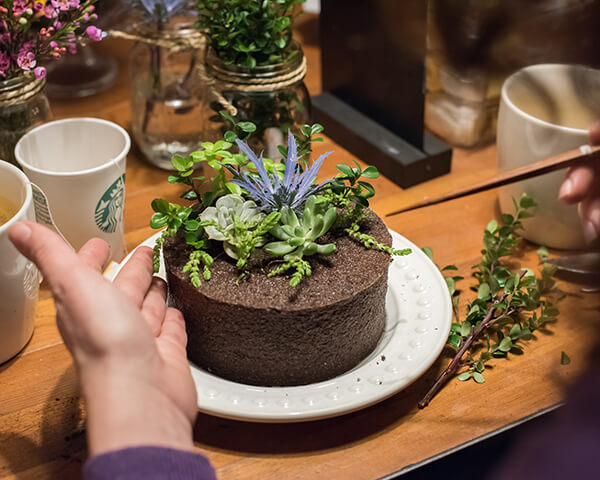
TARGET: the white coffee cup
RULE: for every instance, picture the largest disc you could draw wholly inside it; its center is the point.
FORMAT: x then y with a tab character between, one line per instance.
79	163
19	279
545	110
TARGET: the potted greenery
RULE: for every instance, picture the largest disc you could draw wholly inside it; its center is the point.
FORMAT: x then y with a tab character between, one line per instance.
264	250
255	68
32	33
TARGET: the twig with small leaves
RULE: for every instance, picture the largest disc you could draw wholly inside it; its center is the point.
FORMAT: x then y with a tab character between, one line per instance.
508	308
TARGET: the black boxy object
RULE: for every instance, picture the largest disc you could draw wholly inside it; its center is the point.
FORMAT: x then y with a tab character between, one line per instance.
373	68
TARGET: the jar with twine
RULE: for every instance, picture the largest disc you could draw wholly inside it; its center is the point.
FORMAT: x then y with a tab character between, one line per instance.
273	97
23	105
166	94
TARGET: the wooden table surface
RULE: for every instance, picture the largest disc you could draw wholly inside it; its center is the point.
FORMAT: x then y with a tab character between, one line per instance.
42	417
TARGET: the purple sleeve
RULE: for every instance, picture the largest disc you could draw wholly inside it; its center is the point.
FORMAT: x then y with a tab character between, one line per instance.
148	463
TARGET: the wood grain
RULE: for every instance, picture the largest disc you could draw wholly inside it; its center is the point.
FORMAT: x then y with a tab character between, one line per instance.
564	160
41	415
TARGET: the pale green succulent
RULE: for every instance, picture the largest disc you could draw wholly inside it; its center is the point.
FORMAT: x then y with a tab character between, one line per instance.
220	221
298	236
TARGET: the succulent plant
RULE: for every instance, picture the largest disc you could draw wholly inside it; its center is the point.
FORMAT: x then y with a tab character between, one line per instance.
298	236
219	222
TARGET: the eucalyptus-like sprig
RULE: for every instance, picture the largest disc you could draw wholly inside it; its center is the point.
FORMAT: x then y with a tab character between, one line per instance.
509	304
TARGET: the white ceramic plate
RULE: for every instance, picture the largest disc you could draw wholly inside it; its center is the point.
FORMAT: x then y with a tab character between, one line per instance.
419	316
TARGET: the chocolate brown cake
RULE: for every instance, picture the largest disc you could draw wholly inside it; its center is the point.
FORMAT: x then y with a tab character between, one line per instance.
262	331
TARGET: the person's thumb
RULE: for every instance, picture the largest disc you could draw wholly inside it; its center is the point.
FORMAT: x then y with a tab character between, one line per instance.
46	249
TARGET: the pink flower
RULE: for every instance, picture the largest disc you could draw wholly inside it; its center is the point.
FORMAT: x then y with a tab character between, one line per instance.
61	4
94	33
26	59
40	72
49	11
19	6
4	62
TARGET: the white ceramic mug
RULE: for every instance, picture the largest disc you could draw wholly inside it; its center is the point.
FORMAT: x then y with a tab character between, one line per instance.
79	163
546	110
19	279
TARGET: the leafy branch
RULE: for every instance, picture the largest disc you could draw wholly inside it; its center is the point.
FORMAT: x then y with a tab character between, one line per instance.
509	306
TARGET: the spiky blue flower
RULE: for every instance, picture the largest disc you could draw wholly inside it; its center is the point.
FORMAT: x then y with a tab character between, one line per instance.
162	9
271	193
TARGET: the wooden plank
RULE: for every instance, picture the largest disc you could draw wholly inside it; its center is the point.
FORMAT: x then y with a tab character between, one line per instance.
39	397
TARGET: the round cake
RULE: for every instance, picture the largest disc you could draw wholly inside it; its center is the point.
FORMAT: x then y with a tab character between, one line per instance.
259	330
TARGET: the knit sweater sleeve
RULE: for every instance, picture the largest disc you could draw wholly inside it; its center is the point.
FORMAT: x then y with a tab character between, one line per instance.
148	463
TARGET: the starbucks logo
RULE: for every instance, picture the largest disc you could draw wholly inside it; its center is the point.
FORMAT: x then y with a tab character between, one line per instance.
109	210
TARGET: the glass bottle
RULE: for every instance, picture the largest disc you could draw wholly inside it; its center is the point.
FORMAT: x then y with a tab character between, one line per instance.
274	109
23	105
166	95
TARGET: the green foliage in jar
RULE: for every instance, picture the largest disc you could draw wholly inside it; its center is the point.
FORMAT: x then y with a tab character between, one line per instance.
248	32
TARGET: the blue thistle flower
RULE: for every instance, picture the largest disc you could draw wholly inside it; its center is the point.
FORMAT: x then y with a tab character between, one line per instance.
162	9
271	193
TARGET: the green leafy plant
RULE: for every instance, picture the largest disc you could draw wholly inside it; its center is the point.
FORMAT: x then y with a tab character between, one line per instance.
259	210
248	32
509	305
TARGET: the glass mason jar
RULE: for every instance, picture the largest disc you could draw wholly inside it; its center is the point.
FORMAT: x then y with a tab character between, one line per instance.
23	105
261	96
166	94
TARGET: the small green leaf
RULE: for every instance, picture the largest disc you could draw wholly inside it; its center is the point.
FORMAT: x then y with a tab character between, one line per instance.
484	291
370	172
515	331
247	127
428	251
230	136
505	345
564	358
478	377
192	225
465	329
160	205
527	202
345	170
454	340
316	128
181	163
464	376
492	226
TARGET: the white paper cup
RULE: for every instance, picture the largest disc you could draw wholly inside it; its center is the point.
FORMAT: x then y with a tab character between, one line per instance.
79	163
545	110
19	279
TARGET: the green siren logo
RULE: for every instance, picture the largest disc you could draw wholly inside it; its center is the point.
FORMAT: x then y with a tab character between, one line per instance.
109	210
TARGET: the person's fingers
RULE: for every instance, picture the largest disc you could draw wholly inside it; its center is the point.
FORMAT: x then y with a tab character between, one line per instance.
173	329
55	259
589	212
136	275
578	183
154	305
95	253
595	133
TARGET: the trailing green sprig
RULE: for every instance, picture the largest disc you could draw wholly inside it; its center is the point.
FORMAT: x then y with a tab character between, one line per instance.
302	267
371	242
248	240
508	307
198	258
156	251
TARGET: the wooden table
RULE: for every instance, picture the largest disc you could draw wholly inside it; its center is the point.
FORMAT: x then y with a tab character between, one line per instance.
42	418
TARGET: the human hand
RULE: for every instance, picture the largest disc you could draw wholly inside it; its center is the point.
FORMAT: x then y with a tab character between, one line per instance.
582	186
129	349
